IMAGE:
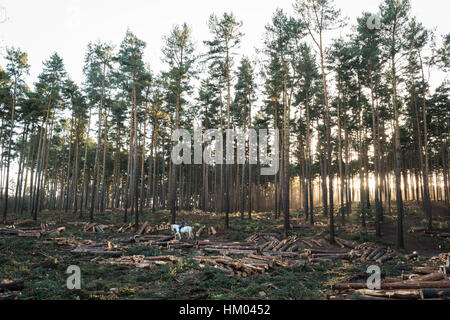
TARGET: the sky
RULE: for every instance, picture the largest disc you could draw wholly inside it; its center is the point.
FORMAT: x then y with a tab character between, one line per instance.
66	26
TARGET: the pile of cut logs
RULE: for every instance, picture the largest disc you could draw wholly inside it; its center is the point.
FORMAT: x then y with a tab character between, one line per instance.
370	251
11	287
425	283
32	232
272	247
145	228
286	247
270	244
143	262
244	267
227	247
95	227
365	252
324	254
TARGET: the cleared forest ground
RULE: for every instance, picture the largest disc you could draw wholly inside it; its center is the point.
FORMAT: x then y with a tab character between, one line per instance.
42	263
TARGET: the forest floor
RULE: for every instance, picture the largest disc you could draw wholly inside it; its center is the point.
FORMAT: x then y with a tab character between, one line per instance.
43	263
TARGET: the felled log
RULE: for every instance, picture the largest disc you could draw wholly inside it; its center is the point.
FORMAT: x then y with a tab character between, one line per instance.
229	251
259	257
380	254
412	256
203	243
317	243
347	243
253	237
89	226
328	251
30	233
287	245
272	245
374	253
258	263
308	244
153	238
179	245
431	277
445	270
8	297
125	227
366	253
97	252
145	265
397	294
9	231
344	256
22	233
360	297
425	270
11	285
417	229
395	285
278	253
264	245
57	230
212	231
227	271
199	232
386	257
142	228
279	245
339	243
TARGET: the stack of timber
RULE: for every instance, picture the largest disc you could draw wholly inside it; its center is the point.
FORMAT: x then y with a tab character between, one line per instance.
285	247
244	267
270	243
442	258
96	227
368	251
372	252
143	262
424	284
160	241
227	247
9	287
262	237
145	228
32	232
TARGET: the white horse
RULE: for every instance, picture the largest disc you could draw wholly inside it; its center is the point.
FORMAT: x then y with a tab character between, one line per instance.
175	227
187	230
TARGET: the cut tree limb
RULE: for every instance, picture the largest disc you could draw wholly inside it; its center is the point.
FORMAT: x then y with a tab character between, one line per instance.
11	285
